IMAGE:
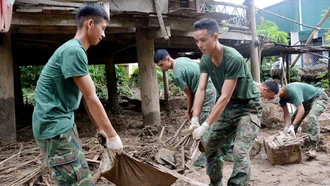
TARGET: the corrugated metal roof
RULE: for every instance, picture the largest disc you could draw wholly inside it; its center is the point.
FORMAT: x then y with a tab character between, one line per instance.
311	14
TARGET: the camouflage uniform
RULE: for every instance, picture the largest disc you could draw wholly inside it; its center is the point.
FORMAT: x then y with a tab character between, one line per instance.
64	154
239	123
313	108
210	99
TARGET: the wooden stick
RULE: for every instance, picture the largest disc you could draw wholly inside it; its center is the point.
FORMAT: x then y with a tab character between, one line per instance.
11	157
46	181
179	130
23	179
183	158
192	169
93	161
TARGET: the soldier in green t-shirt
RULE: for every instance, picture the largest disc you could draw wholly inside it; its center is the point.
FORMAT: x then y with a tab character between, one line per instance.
63	82
237	111
186	76
309	101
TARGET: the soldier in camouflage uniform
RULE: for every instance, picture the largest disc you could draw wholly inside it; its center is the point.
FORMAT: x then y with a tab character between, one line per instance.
309	101
186	77
63	82
237	111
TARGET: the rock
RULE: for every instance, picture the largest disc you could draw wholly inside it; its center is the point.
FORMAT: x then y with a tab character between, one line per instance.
282	149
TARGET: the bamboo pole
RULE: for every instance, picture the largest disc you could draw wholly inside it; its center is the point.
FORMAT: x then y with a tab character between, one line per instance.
315	31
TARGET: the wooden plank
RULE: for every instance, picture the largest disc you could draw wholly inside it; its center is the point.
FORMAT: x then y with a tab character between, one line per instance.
181	11
29	10
60	10
48	3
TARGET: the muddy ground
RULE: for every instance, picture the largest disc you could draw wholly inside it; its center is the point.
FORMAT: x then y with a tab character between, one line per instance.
27	168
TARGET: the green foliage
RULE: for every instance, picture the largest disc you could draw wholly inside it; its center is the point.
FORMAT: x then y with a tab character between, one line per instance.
272	33
30	75
174	90
323	80
98	75
295	74
99	78
327	34
266	71
29	78
122	81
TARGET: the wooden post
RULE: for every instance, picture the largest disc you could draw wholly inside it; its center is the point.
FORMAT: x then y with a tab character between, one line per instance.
112	84
329	68
165	79
148	78
7	100
287	68
19	102
255	64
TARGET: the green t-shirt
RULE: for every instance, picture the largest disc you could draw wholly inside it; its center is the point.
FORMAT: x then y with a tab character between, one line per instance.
186	73
232	66
299	93
56	94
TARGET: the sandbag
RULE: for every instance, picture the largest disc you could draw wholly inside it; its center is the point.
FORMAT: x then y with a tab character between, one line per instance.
128	171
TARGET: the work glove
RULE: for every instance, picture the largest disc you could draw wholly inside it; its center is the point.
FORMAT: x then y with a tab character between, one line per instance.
114	144
194	123
291	129
201	131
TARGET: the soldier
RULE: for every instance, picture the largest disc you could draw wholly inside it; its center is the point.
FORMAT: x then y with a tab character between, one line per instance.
186	77
63	82
310	101
237	111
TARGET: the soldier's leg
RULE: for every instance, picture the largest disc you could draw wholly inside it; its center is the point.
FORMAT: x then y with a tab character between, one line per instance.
64	155
313	129
247	131
216	146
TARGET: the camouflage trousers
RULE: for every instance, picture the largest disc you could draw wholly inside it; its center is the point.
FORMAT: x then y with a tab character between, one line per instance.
313	109
210	99
65	156
236	128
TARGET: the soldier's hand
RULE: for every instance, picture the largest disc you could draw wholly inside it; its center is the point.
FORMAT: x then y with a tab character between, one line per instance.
291	129
194	123
114	144
201	131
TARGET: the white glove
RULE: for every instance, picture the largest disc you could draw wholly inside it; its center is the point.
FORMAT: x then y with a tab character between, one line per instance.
114	144
290	130
201	131
194	123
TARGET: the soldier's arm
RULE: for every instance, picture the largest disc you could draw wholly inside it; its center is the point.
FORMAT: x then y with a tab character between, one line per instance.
200	94
300	114
226	93
286	116
190	99
94	106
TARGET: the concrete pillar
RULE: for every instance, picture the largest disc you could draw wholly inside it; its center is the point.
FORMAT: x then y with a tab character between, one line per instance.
112	84
148	78
7	100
